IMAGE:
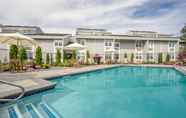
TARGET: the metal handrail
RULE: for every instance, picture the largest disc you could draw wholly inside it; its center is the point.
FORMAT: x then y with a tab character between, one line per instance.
20	96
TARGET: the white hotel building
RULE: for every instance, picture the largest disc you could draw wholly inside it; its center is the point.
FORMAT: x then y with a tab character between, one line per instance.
144	45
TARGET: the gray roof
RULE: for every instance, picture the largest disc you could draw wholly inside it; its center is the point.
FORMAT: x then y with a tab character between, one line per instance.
142	31
91	29
49	34
21	26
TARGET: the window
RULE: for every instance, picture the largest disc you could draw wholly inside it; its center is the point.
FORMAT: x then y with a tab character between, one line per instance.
139	44
116	56
150	56
171	44
172	56
151	45
116	45
58	43
171	47
139	56
108	43
108	56
82	42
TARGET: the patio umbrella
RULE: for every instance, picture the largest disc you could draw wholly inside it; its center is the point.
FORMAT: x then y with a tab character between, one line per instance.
74	46
16	39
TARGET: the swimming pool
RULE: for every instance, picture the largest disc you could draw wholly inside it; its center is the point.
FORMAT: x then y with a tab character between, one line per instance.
123	92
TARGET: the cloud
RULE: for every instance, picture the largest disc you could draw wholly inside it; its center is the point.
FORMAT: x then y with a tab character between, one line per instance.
115	15
156	8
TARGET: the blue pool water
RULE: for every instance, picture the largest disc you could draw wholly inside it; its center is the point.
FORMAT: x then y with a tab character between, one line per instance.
123	92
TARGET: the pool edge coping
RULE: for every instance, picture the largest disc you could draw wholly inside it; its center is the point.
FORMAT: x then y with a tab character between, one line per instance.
177	68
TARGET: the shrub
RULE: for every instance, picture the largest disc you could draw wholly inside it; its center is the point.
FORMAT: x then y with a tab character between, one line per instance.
38	56
45	66
13	52
167	58
160	58
132	58
47	58
58	57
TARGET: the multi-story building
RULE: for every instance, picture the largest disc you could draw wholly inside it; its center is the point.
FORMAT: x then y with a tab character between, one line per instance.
49	42
143	45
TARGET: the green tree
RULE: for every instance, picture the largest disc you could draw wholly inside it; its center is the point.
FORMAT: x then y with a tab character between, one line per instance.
132	58
65	56
74	54
22	56
13	52
38	56
58	57
167	58
160	58
183	33
87	57
13	55
47	58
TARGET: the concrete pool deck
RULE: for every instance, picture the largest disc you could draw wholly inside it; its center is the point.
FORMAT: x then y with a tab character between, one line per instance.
37	81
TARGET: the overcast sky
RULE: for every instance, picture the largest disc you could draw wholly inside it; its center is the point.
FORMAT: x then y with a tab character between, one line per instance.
118	16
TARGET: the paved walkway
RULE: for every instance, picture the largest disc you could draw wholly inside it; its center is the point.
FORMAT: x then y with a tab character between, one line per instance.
36	81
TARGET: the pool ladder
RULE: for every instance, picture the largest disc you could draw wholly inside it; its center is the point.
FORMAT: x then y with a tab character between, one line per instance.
15	85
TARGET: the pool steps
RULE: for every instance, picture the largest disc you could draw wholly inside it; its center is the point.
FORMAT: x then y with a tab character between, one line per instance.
49	111
32	110
14	112
42	110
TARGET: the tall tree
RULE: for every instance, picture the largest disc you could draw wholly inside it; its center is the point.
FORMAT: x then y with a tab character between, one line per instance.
87	57
22	56
47	58
13	55
13	52
74	54
183	33
38	56
160	58
132	57
58	57
167	58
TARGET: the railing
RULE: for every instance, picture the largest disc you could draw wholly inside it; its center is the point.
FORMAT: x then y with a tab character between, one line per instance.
15	85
